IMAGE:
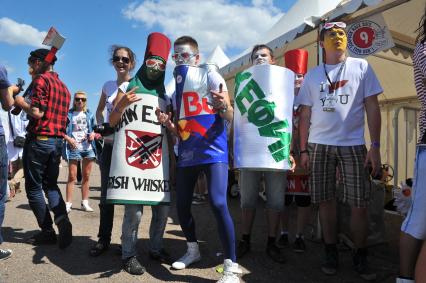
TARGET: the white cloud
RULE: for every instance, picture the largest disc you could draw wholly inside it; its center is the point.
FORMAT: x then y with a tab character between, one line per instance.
15	33
210	22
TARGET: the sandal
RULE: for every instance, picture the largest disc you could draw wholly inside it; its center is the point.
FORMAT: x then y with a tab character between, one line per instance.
98	249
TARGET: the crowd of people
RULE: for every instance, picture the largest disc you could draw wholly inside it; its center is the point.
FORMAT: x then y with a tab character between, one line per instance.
328	141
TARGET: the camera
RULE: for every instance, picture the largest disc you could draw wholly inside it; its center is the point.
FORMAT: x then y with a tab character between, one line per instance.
20	83
104	129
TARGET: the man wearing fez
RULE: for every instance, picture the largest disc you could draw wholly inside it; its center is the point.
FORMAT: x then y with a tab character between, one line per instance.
297	61
47	109
334	96
149	80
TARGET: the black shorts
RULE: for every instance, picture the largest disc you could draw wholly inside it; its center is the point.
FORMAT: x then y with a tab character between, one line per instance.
300	200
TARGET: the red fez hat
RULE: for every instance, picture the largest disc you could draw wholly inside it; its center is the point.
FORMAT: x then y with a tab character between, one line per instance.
297	60
158	45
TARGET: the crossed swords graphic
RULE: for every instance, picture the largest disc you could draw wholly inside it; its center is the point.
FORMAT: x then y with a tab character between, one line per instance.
143	150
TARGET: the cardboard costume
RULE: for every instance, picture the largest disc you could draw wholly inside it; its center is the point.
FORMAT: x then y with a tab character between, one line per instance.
140	161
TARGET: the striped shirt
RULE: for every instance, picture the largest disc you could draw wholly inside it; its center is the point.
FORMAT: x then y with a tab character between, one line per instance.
50	95
419	62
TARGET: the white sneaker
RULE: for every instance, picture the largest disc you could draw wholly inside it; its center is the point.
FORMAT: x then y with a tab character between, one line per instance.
68	205
230	271
230	266
192	255
85	206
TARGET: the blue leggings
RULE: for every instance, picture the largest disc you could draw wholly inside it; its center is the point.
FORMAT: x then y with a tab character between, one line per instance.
217	180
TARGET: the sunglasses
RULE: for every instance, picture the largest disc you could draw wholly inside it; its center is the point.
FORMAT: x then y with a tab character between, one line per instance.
183	56
150	63
125	60
80	99
334	24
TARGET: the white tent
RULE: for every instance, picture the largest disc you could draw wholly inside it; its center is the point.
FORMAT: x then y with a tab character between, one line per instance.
393	67
218	57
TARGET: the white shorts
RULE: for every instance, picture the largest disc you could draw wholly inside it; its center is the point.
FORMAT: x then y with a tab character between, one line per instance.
415	222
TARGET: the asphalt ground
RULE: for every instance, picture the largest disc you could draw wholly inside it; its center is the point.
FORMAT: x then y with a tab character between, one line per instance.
50	264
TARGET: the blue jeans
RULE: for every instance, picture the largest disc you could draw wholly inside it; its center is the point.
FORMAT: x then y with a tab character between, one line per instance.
41	159
132	218
3	181
106	210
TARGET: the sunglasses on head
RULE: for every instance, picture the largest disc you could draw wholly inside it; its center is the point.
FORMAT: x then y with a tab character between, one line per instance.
330	25
125	60
183	55
151	63
80	99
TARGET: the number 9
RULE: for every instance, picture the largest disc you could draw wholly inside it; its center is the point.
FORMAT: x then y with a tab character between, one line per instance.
364	36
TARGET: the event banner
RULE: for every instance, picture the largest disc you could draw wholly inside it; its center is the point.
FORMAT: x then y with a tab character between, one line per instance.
139	171
263	105
368	36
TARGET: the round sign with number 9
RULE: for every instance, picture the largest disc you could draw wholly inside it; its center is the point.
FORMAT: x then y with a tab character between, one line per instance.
364	37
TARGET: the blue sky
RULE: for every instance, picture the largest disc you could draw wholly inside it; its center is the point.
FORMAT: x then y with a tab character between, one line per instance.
92	26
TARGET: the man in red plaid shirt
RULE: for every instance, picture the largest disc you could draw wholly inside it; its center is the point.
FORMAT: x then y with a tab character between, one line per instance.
47	107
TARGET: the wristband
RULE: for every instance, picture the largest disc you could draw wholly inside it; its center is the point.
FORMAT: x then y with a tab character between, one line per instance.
303	151
375	144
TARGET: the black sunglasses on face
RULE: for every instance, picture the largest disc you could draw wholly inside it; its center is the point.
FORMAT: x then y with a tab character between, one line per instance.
80	99
125	60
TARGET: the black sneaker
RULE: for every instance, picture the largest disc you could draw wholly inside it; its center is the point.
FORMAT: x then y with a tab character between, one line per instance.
133	266
161	256
275	253
329	267
299	245
65	233
282	241
98	249
361	265
43	238
5	253
242	248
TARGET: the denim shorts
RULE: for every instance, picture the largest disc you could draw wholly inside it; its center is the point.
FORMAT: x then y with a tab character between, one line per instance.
275	187
415	224
80	154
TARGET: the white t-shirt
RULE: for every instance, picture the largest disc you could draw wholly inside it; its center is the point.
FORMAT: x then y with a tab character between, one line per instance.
345	125
80	131
110	89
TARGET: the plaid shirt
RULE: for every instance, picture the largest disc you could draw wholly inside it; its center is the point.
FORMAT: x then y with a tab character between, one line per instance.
50	95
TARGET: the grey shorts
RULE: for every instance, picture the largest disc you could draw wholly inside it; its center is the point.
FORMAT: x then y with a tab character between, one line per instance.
275	187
